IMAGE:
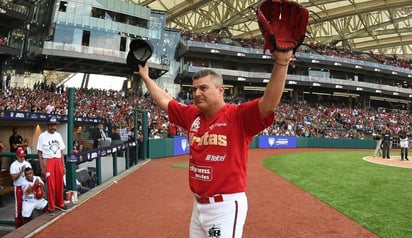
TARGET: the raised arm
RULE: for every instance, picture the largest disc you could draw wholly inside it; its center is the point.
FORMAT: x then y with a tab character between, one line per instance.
274	89
283	25
158	94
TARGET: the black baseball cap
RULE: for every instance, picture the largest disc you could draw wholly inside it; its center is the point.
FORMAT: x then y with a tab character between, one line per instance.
140	51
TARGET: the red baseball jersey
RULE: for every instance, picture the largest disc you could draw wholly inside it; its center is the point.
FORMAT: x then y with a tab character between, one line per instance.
219	145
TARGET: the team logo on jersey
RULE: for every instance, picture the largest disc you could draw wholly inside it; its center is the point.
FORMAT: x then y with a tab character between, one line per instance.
54	146
215	231
195	125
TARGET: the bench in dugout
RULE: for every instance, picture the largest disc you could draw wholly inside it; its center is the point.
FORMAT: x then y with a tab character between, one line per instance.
6	185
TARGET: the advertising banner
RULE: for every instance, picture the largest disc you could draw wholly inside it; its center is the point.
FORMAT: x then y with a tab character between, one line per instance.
277	142
180	145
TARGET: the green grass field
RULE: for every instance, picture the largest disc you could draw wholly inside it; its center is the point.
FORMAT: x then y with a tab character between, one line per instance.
377	197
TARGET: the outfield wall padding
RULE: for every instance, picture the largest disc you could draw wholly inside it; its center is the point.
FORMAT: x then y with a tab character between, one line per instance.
303	142
159	148
167	147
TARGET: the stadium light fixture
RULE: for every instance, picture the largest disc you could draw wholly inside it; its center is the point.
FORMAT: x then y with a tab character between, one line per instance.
240	54
359	89
377	70
358	67
338	86
337	64
394	73
214	51
266	56
340	94
317	93
241	79
316	84
292	82
388	99
395	93
378	91
254	88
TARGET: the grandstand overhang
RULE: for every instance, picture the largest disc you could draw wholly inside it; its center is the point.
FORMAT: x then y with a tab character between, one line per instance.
77	62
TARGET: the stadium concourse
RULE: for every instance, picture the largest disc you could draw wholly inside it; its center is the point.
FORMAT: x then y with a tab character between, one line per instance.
153	200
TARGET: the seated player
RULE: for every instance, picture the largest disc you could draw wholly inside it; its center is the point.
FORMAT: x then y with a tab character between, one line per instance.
32	194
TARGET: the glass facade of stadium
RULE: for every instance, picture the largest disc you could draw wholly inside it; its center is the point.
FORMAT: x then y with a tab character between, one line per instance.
84	36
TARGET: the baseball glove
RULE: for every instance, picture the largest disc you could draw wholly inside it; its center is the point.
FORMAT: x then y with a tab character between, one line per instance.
282	23
38	192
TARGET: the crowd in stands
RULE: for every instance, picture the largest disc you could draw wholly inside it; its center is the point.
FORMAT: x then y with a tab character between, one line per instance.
308	120
335	121
305	120
312	47
3	40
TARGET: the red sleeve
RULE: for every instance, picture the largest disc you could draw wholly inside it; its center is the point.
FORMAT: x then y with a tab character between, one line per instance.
250	118
182	114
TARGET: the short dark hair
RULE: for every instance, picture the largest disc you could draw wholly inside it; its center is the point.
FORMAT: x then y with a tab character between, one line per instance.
27	169
205	72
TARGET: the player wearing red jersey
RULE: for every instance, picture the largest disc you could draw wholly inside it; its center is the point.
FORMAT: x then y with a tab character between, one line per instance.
219	137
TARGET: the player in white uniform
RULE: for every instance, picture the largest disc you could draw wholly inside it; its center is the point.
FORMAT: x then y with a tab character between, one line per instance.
30	201
404	143
50	152
219	138
17	175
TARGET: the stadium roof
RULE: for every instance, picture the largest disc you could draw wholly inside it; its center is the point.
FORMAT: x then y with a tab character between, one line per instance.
380	26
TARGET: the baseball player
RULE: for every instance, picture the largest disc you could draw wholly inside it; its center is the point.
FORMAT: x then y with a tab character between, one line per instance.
50	147
386	142
17	175
378	138
220	134
32	201
404	143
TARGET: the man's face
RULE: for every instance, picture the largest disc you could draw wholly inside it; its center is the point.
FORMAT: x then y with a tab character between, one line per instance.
52	128
206	93
20	158
29	175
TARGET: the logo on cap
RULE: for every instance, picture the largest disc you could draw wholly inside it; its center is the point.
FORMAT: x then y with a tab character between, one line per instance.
20	152
52	120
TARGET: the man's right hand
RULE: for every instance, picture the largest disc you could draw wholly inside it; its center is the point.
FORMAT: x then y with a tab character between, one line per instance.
143	71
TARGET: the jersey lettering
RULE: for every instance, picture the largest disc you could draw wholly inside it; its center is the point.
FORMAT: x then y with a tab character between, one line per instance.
208	139
201	173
